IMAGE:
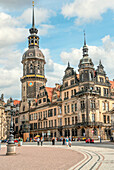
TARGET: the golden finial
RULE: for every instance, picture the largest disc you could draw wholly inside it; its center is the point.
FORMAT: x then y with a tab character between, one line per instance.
33	3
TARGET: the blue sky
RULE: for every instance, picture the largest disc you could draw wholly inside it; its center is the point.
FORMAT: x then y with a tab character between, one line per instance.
60	26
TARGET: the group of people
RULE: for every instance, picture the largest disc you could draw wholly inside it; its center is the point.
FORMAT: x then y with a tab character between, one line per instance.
67	141
40	140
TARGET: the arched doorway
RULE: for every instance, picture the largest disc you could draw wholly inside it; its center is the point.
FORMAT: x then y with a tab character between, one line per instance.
83	132
72	132
76	132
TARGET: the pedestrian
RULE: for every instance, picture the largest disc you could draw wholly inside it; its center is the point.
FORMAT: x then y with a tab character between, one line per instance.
67	141
63	141
38	140
0	144
41	141
70	141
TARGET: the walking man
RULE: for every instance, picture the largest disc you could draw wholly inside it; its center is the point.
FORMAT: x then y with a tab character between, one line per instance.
38	140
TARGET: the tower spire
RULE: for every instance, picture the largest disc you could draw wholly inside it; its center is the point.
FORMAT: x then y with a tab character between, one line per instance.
33	22
84	38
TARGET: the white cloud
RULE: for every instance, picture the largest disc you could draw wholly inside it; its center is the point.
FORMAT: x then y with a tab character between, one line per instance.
54	72
87	10
41	16
104	52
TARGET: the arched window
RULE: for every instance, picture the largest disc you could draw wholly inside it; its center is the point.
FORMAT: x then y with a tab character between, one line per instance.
91	76
82	77
32	41
38	69
31	68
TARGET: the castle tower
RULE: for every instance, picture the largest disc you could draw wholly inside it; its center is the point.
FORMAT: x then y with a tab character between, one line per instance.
33	62
86	69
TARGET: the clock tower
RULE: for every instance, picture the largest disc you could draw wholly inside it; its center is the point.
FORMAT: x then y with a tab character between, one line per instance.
33	62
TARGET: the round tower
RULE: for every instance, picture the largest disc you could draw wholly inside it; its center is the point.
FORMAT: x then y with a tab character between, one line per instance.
33	62
86	69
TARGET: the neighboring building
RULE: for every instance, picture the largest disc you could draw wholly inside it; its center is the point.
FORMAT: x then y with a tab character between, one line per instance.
79	107
3	125
12	107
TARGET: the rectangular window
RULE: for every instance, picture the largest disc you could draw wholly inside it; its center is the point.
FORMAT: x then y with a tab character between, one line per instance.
44	124
104	118
35	125
76	120
67	94
108	119
93	117
31	126
74	91
82	105
68	120
92	104
35	116
71	93
65	109
55	123
75	107
72	82
68	108
49	124
64	95
60	122
101	80
16	120
59	110
54	111
44	99
66	84
83	117
50	113
72	107
105	92
107	107
72	120
38	125
40	101
103	106
65	121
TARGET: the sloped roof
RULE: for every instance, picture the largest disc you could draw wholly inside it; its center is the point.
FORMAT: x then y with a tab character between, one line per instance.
15	102
112	84
50	92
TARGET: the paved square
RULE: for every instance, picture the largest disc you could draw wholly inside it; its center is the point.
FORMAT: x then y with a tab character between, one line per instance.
37	157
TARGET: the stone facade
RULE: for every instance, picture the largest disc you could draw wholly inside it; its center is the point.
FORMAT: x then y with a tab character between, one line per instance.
3	125
80	107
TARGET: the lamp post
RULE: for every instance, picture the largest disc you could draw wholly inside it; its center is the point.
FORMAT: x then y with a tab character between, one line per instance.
11	145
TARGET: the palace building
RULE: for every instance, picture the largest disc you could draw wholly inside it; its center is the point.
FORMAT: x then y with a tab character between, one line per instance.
79	107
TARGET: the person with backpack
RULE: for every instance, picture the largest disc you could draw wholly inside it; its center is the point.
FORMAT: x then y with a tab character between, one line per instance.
70	139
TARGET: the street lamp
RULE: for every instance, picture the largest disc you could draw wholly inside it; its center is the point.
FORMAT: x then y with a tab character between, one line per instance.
11	145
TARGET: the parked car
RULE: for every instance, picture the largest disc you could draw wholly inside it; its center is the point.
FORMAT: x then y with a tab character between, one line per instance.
89	140
15	141
4	141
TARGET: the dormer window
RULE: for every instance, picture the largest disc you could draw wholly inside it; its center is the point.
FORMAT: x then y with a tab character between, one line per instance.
101	79
66	84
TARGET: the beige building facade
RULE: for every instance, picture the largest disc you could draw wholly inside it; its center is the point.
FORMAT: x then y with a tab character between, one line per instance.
79	107
3	124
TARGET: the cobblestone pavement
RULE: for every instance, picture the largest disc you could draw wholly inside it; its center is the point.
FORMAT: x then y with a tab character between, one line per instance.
39	158
58	157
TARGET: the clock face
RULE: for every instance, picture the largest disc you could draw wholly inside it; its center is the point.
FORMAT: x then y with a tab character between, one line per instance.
30	84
